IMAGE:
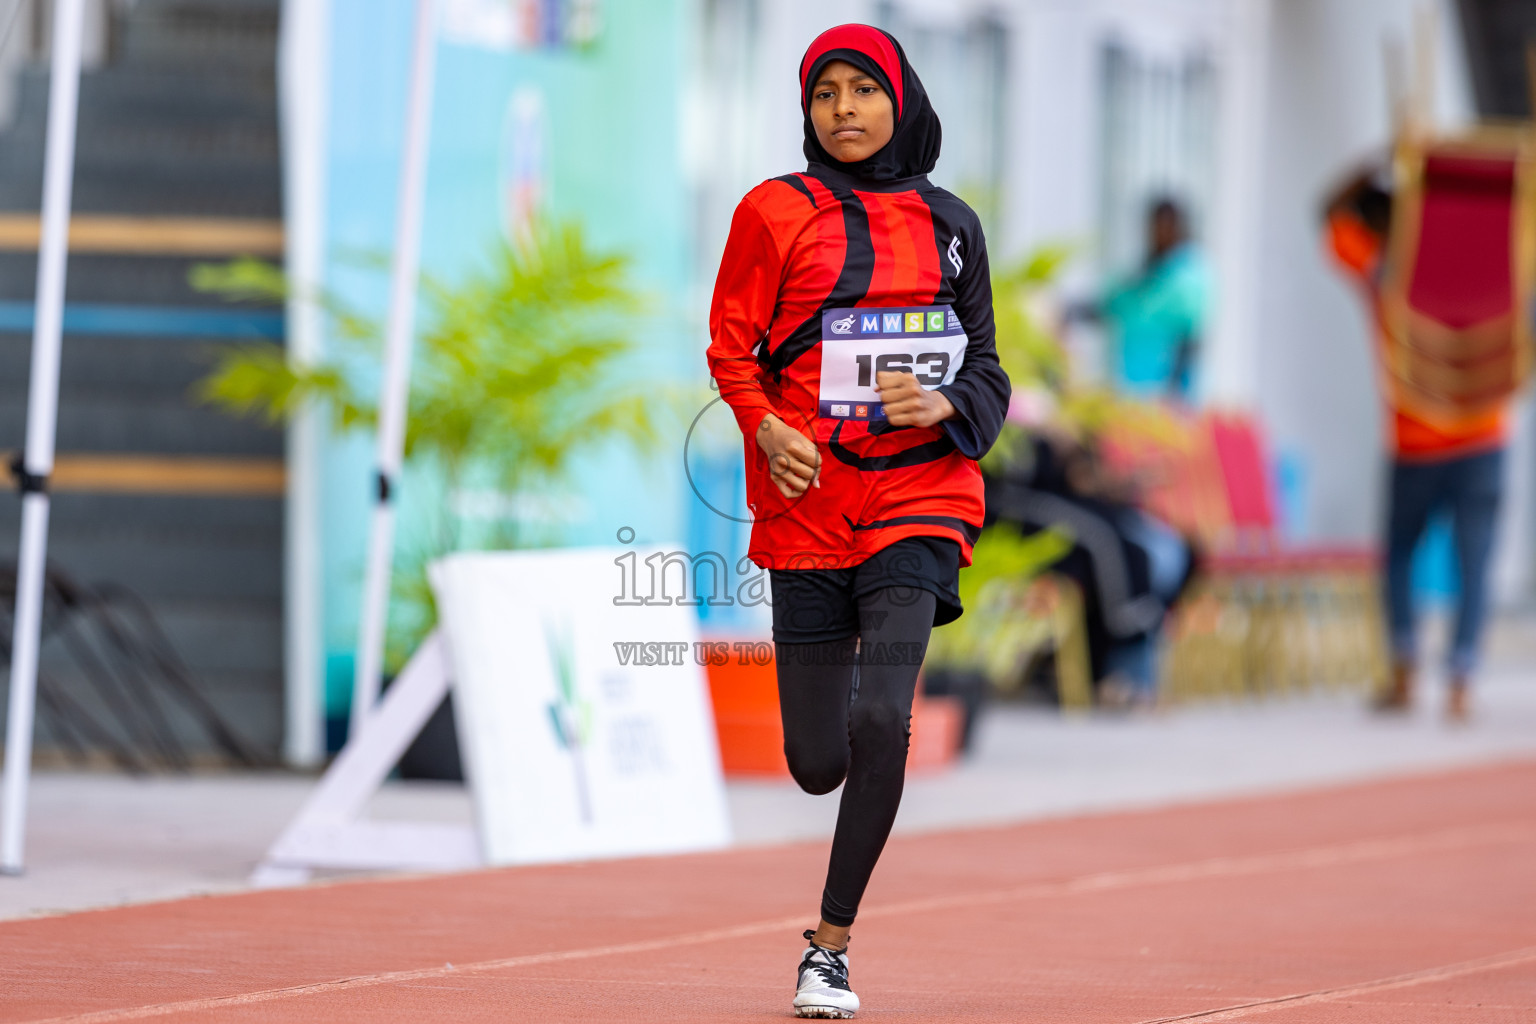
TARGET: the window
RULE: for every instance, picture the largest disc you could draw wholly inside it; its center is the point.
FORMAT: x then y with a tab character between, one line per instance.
963	66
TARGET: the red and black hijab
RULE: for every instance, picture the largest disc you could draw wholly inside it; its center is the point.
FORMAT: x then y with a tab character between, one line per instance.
914	146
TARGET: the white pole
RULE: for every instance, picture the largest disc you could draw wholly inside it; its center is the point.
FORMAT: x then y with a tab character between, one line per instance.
397	368
42	417
1231	374
303	73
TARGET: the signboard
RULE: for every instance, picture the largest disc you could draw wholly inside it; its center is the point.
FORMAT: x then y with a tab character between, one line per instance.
583	715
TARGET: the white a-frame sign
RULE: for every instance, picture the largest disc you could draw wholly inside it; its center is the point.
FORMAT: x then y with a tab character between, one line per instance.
570	749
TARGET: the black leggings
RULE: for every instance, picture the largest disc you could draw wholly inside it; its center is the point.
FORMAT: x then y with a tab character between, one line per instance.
851	721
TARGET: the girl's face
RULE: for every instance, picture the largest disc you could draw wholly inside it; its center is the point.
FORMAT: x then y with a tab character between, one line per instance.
852	115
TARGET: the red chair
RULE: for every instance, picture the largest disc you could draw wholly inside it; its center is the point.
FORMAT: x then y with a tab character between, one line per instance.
1458	293
1262	616
1310	612
1239	452
1166	454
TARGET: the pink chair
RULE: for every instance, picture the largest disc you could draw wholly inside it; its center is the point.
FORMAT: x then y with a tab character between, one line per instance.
1303	615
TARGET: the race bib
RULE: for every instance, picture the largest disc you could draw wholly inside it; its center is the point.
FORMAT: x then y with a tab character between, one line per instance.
926	341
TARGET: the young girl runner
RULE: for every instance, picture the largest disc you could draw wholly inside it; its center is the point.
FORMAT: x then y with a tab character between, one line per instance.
852	336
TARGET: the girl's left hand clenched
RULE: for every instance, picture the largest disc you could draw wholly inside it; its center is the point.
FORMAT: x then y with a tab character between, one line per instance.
907	403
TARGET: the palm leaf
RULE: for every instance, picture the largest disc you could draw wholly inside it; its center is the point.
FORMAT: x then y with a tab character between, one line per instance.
520	369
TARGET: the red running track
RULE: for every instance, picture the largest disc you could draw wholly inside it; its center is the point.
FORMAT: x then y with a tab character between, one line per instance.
1402	901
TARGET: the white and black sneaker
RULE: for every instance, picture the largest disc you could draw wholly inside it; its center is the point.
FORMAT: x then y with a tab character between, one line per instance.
823	990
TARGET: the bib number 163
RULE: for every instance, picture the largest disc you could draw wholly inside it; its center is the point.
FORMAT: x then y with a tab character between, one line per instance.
928	367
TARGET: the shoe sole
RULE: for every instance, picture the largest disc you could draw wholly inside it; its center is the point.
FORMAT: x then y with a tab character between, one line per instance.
823	1012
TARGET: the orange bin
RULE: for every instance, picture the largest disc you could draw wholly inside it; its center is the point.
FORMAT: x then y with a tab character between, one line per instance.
745	695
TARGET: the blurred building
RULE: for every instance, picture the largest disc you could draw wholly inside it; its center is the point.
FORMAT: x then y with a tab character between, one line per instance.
646	120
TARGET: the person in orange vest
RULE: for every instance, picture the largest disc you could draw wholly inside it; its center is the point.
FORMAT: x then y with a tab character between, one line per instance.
1434	468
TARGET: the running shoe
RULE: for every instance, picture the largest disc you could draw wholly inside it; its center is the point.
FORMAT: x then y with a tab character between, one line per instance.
823	991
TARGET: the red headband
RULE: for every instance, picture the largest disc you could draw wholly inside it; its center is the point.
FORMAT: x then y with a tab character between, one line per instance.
871	42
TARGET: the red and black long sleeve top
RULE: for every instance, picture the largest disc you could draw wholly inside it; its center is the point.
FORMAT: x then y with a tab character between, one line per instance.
827	278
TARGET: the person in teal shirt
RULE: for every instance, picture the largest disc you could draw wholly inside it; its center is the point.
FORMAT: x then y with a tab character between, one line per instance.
1156	318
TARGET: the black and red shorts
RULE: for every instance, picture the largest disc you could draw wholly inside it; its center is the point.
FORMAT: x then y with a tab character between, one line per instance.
817	605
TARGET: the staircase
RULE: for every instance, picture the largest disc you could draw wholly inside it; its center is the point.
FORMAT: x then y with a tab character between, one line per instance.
180	123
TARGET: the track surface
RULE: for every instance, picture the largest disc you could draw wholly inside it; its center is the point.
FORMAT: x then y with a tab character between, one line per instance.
1410	900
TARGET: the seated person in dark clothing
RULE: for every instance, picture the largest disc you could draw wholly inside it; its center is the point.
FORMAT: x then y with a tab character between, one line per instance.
1130	566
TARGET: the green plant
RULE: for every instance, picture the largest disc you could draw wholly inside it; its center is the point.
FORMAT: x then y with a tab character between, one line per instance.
1030	352
998	627
518	371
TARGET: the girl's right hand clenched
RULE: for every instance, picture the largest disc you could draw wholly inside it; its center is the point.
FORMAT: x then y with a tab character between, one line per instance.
793	461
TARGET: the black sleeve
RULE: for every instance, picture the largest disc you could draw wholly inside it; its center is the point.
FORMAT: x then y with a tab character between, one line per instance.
980	391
